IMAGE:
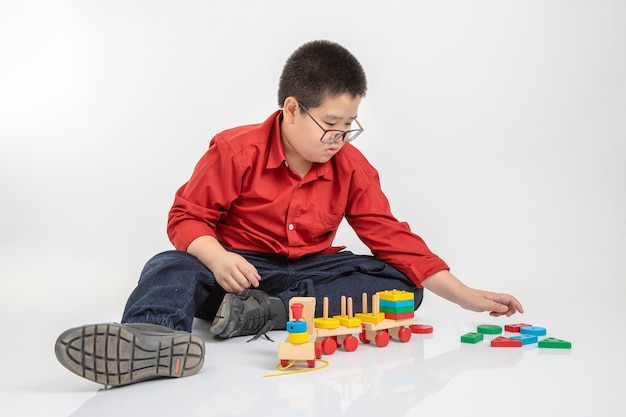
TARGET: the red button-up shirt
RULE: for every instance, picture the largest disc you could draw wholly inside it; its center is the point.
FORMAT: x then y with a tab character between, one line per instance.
243	193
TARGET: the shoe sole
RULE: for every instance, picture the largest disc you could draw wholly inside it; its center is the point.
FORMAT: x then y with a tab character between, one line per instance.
222	316
115	354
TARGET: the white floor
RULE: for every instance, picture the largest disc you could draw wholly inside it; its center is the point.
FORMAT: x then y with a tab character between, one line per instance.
430	375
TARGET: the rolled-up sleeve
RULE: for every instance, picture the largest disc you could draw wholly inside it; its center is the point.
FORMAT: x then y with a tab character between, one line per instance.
206	197
390	240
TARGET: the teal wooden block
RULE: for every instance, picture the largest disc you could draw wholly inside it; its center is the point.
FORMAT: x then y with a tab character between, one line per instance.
534	330
397	304
526	339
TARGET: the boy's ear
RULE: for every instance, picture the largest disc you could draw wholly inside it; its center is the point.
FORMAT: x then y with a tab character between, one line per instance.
290	108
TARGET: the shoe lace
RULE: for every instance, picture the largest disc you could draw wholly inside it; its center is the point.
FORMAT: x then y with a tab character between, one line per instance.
263	332
259	320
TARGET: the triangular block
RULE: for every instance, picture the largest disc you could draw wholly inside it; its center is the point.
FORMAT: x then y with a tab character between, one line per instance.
526	339
502	341
554	343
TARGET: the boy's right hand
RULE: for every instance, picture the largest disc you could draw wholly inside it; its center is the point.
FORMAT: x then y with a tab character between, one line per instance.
234	273
231	271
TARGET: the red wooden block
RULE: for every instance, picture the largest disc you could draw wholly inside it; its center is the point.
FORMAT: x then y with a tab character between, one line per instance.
502	341
515	327
400	316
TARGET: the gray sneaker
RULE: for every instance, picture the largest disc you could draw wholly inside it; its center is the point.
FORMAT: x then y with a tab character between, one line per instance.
246	313
120	354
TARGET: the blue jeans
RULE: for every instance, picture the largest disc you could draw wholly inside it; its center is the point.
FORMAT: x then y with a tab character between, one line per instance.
174	286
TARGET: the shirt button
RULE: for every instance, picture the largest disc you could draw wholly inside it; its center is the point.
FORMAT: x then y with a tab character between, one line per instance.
291	226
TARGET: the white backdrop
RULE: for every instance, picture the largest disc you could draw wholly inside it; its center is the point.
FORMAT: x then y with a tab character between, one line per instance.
498	128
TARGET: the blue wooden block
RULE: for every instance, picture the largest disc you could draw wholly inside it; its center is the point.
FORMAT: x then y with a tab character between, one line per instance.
296	326
525	338
533	330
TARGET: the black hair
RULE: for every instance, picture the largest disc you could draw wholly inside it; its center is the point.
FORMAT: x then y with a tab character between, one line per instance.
321	69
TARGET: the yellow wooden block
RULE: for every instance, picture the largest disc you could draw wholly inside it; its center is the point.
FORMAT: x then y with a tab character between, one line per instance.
370	317
326	323
395	295
298	338
349	321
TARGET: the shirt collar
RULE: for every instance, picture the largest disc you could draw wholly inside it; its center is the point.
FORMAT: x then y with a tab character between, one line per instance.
276	155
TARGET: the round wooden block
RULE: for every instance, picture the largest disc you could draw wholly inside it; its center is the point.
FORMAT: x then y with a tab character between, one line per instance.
296	326
298	338
328	323
421	328
489	329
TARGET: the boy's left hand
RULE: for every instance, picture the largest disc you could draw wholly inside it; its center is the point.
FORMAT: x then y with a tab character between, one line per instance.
497	304
446	285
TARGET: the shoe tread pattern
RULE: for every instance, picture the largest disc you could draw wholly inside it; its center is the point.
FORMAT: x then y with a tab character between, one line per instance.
113	354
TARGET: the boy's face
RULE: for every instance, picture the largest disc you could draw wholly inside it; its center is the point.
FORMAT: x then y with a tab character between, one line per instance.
302	136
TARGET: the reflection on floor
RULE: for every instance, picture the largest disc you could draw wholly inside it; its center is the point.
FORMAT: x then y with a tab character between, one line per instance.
431	374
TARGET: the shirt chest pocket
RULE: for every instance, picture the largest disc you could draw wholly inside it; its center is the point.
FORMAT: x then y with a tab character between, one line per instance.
324	225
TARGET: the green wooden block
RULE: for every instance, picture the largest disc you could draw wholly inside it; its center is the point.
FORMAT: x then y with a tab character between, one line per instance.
471	337
554	343
397	310
489	329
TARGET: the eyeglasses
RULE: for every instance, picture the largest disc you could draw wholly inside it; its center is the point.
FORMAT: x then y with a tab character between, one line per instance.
333	135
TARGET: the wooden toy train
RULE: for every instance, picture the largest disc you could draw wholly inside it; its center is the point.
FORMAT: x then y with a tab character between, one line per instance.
309	337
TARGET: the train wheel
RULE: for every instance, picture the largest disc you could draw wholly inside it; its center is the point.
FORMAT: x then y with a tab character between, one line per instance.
404	334
284	363
336	341
382	338
350	343
363	337
311	363
318	350
329	346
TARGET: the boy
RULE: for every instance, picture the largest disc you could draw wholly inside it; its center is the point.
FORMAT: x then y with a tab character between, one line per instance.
253	227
